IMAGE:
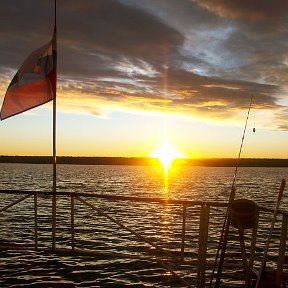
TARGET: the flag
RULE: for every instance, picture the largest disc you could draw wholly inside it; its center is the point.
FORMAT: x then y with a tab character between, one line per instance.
35	82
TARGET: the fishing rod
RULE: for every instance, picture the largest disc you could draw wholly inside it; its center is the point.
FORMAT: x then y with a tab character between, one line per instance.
225	229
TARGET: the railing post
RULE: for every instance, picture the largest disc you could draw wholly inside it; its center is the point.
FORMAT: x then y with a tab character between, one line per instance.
72	223
253	245
282	246
183	230
35	220
203	238
54	221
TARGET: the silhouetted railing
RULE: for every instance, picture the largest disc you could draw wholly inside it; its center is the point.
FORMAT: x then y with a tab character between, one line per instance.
167	256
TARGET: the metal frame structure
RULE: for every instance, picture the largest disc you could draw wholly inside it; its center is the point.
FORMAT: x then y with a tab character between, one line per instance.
167	256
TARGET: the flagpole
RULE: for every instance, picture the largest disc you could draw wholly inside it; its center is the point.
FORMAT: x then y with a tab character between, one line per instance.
54	149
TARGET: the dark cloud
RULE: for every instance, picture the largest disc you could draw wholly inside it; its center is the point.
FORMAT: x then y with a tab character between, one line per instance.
109	26
205	57
103	26
264	10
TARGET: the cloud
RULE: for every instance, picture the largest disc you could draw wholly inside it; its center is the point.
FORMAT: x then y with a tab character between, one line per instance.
111	27
199	58
184	93
264	10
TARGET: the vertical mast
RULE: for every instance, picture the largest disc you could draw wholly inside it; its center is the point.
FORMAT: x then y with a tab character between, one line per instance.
54	136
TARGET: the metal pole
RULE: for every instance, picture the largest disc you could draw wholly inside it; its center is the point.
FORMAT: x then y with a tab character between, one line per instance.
243	253
72	223
183	230
253	242
223	243
35	221
54	142
202	250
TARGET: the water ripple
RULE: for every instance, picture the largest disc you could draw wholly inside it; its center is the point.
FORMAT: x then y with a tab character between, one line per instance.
161	224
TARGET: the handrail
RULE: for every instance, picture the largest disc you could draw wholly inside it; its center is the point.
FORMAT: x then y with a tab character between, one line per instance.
135	199
119	197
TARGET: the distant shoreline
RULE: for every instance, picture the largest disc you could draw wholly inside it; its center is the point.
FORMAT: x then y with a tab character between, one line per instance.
145	161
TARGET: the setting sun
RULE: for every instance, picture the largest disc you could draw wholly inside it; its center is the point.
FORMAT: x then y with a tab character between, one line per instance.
166	153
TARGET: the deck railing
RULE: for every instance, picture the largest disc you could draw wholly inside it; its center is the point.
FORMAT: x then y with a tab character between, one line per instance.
205	207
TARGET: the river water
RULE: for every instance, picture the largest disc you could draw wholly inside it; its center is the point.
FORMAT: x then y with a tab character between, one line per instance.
160	223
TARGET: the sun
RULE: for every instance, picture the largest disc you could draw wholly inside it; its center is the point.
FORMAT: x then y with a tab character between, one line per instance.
166	153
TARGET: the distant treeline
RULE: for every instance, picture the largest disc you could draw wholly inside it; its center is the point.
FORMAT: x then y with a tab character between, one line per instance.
142	161
80	160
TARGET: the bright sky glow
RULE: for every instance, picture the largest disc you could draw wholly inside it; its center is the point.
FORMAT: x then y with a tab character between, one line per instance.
124	65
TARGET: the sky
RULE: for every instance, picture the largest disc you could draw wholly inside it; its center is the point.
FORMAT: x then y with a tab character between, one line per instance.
133	72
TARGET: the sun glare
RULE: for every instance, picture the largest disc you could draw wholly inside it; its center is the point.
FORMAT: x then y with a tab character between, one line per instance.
166	153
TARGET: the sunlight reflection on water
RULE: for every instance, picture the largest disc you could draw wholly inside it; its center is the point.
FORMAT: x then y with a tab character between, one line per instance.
161	223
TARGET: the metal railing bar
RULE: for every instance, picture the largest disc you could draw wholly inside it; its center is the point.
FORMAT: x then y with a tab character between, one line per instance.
112	219
120	198
137	199
15	202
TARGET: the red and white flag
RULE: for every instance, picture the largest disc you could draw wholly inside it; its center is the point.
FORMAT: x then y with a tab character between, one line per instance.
35	82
